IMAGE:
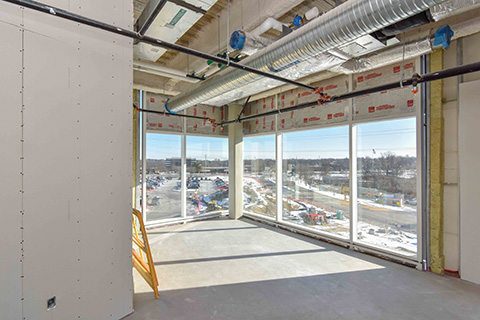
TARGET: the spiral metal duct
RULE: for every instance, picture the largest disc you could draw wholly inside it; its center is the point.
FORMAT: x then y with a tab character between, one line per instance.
339	26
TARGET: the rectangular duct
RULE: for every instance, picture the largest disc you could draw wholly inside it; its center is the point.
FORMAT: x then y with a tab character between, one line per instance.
170	25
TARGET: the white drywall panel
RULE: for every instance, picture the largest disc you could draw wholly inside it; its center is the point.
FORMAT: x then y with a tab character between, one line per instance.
71	5
11	163
121	175
50	201
469	153
105	149
77	166
108	11
471	49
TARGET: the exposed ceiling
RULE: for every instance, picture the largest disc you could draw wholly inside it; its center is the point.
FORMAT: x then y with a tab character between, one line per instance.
138	6
209	34
192	34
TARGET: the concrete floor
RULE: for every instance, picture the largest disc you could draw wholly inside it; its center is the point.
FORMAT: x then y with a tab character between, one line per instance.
226	269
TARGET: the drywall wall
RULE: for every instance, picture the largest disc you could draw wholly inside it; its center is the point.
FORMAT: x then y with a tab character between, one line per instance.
469	153
11	165
463	51
468	148
68	135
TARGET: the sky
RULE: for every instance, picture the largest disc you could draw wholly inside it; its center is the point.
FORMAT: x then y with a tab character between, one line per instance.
397	136
162	146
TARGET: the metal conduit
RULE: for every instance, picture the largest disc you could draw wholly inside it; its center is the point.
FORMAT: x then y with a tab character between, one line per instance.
335	28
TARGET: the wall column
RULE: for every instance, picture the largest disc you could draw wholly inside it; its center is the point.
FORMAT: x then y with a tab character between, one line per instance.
235	165
437	166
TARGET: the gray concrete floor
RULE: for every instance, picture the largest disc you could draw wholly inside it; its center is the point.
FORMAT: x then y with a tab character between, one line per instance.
226	269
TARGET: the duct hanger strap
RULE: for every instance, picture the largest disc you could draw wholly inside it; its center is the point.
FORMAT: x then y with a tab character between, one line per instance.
243	108
152	41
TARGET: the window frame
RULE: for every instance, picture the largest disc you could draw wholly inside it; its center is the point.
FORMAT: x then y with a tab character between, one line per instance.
352	243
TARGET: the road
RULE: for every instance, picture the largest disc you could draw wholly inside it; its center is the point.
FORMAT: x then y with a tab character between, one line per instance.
402	220
170	204
170	199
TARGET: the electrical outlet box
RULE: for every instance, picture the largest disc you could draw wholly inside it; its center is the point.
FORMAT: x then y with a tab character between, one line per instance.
51	303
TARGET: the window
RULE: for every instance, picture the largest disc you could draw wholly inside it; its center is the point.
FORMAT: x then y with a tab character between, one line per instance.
316	178
259	177
207	174
163	176
387	197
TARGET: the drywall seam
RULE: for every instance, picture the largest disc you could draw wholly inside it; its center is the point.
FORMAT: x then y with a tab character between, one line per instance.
22	155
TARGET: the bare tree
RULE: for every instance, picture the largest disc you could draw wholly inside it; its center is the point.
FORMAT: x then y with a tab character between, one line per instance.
197	166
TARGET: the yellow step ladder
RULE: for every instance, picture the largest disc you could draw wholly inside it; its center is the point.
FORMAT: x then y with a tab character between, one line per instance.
145	268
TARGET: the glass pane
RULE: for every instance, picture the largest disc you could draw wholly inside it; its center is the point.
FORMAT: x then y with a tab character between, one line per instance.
207	175
387	197
259	180
163	176
316	178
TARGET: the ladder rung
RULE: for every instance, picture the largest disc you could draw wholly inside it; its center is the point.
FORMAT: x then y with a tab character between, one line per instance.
139	242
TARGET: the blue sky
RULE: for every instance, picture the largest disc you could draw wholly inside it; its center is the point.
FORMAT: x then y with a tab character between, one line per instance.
161	146
262	147
397	136
316	144
211	148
